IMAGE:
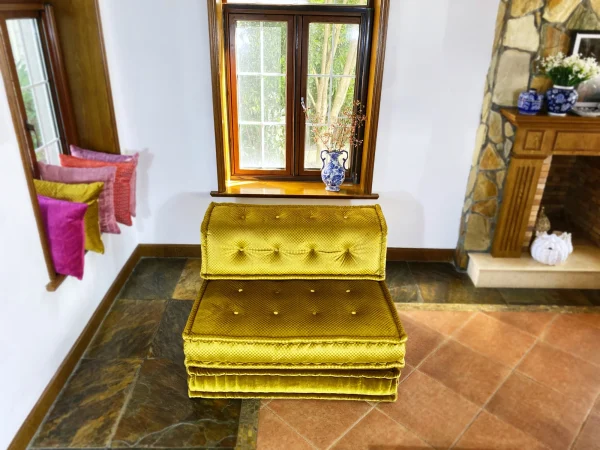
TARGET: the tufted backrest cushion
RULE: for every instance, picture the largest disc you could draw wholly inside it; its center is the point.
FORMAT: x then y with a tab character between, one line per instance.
293	242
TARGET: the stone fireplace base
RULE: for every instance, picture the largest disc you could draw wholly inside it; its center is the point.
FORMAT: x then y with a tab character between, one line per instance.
580	271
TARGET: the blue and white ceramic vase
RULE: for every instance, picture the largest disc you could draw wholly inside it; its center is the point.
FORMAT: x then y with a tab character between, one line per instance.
530	102
333	173
561	99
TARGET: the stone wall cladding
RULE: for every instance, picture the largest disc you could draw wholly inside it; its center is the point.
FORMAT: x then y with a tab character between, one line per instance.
525	30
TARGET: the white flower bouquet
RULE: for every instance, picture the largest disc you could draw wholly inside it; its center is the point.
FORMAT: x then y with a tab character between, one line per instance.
569	70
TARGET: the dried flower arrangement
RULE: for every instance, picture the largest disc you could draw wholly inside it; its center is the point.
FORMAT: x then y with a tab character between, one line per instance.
339	131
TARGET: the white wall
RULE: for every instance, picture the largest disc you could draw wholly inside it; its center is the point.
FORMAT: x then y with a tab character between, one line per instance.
438	53
437	57
38	328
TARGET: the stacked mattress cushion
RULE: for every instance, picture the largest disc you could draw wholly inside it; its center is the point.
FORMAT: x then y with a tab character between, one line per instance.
302	337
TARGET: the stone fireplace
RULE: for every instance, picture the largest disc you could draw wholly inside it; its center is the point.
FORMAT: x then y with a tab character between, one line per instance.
525	30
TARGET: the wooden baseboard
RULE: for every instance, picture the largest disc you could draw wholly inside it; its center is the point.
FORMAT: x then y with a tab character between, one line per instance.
393	254
169	250
40	409
420	254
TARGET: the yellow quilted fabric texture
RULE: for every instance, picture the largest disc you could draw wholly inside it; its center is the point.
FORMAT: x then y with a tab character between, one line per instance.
79	193
294	324
290	242
274	383
293	305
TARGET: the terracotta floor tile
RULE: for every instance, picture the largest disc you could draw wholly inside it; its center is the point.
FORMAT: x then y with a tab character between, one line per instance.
575	336
495	339
573	377
489	432
589	438
406	372
320	421
434	412
378	432
465	371
274	434
590	319
421	340
538	410
530	322
445	322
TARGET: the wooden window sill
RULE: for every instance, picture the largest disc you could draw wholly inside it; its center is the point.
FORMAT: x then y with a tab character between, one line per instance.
290	189
55	283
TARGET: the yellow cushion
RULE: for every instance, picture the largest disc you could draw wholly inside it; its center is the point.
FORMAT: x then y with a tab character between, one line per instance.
79	193
293	241
301	383
325	324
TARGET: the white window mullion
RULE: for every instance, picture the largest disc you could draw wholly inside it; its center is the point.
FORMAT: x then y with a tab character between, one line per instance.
262	97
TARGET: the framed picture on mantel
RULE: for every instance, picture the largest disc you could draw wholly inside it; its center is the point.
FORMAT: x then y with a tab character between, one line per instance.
586	44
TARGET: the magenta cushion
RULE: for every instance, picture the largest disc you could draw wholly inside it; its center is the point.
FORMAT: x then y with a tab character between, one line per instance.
109	157
65	231
71	175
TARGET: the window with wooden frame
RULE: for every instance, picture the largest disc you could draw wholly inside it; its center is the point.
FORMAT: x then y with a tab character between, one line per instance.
268	57
38	95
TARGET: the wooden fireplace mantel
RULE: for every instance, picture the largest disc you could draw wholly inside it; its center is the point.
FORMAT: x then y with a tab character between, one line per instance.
536	138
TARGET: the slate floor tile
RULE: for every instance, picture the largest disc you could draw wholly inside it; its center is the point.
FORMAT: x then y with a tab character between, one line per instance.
160	413
188	286
442	283
89	406
153	279
562	297
127	330
167	342
401	283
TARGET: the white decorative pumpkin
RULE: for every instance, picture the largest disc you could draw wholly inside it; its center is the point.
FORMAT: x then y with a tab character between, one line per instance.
551	249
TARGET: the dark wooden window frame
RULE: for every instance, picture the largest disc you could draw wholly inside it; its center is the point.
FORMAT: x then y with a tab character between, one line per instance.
371	85
59	91
298	20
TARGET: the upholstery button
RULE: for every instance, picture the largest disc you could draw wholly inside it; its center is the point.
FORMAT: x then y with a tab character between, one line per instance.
353	313
314	313
240	290
345	217
277	217
242	217
347	290
312	290
277	292
236	313
275	312
276	250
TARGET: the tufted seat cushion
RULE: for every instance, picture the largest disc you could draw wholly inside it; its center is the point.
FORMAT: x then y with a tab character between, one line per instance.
294	324
341	338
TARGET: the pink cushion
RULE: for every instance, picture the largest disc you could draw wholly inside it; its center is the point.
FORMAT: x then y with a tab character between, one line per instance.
70	175
109	157
64	226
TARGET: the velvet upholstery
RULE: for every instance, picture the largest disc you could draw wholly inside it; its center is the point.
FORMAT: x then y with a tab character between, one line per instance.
65	231
293	305
75	175
80	193
291	242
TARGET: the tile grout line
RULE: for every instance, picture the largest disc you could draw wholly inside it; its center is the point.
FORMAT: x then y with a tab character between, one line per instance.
417	285
587	417
128	397
415	368
291	427
372	407
483	407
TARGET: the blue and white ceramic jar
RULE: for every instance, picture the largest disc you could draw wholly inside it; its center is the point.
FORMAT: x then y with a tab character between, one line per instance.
561	99
530	102
333	173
